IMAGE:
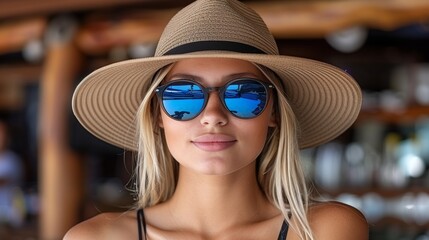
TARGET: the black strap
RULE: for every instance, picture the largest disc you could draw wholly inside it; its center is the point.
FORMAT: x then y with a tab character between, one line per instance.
283	231
213	45
141	224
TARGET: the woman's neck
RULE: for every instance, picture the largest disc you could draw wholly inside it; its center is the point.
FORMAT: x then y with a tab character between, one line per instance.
219	202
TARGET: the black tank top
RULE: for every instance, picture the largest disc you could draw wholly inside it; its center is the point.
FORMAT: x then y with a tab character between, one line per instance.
141	223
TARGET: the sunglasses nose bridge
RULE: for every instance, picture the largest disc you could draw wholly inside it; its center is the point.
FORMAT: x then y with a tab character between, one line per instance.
212	89
217	91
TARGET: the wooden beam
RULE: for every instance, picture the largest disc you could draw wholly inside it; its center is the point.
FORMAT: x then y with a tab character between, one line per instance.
61	170
14	35
316	19
100	35
11	96
13	79
20	73
16	8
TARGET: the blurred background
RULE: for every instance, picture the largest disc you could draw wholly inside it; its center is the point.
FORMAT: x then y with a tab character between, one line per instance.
54	174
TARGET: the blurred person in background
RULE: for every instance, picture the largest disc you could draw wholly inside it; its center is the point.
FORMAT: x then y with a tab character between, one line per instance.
10	181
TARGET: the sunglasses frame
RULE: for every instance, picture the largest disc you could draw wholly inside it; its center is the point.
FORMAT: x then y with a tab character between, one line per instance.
207	90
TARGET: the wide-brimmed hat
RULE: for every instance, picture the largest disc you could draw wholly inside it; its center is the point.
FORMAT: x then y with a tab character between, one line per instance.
325	99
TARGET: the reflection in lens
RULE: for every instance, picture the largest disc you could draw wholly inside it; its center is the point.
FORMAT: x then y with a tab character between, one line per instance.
245	99
183	101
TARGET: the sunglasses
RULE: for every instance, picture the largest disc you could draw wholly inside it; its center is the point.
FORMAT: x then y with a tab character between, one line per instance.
184	100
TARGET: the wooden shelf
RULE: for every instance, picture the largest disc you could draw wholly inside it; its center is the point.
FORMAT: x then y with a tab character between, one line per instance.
382	192
405	116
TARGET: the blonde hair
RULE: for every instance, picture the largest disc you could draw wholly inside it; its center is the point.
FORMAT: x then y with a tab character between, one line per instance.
280	173
279	169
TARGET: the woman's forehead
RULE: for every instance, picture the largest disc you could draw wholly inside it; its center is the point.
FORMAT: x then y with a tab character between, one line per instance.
215	67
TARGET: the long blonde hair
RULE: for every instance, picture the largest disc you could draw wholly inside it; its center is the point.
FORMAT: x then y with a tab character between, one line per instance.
279	170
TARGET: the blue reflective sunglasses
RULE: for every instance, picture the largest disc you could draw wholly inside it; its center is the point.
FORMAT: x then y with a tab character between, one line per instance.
185	99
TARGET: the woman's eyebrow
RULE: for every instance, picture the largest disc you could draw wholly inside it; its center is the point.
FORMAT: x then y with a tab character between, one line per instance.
243	74
184	76
201	79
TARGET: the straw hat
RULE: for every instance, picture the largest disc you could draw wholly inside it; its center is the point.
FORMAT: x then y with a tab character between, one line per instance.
325	99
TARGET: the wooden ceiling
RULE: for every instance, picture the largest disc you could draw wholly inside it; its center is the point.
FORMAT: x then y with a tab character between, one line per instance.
143	20
20	8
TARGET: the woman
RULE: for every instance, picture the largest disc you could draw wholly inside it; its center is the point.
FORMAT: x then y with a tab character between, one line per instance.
217	118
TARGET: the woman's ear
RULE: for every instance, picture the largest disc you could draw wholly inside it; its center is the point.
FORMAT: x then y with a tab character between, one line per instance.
160	122
273	119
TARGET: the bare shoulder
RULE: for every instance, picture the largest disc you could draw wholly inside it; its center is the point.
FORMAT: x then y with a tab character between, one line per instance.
105	226
335	220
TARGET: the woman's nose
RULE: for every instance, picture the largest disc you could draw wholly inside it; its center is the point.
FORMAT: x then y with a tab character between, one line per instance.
214	114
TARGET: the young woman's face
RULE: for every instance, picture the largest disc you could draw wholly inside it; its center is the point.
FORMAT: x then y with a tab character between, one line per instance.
216	142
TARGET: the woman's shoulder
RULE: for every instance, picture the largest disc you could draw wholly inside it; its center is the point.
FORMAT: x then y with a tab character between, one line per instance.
335	220
105	226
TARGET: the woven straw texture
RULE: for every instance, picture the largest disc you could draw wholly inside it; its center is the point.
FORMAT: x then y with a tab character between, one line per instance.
325	99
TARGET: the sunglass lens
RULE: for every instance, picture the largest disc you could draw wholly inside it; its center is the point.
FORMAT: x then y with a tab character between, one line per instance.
245	98
183	101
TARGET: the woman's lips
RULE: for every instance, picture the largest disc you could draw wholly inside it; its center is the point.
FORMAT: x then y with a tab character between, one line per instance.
213	142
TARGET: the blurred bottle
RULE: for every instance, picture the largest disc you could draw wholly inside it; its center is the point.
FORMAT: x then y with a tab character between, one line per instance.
328	166
390	174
